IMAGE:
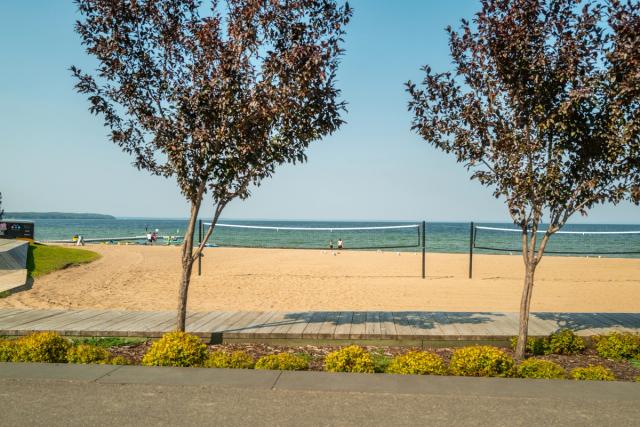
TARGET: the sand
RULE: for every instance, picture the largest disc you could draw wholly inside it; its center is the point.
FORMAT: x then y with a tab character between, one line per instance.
147	278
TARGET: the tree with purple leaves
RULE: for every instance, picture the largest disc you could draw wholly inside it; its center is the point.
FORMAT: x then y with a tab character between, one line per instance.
542	105
216	99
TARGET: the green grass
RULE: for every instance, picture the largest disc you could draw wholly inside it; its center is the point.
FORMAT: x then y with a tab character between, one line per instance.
107	342
635	362
43	259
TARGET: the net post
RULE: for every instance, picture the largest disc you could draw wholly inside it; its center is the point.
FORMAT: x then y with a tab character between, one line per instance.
199	243
471	231
424	248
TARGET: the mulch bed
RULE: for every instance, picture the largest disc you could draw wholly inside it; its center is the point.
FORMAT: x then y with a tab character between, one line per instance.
623	370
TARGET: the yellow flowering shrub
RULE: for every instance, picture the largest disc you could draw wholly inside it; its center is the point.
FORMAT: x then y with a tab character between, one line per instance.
8	349
481	361
176	349
417	363
536	368
618	345
85	353
42	347
235	360
592	373
119	360
349	359
565	342
535	345
283	362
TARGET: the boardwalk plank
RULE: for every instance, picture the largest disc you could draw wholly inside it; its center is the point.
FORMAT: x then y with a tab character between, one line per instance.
343	327
285	323
236	329
387	325
314	325
329	325
199	325
372	325
301	321
26	317
60	323
277	324
358	325
404	328
6	312
257	327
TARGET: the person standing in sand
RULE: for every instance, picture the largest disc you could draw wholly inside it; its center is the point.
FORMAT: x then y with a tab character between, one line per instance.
340	244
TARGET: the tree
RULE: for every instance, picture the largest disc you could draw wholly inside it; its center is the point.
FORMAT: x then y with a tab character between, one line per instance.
217	99
1	210
543	107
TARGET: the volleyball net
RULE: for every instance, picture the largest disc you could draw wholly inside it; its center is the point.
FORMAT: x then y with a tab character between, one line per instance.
570	242
397	237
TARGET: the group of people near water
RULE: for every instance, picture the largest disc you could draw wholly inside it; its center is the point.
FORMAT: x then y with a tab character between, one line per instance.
152	237
340	244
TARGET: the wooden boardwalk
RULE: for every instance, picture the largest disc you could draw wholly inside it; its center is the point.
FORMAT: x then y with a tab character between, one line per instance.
411	327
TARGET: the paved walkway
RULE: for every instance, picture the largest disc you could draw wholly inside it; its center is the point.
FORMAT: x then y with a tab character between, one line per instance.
415	327
50	394
13	264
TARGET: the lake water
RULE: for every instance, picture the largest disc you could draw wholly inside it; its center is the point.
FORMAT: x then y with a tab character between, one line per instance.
440	236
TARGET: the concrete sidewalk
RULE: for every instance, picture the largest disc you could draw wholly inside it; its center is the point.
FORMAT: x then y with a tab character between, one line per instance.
133	395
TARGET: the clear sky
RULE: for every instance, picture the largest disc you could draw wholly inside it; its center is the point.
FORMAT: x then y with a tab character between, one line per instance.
55	156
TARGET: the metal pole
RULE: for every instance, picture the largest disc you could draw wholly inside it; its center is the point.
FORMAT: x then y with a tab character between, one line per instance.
471	231
424	249
200	242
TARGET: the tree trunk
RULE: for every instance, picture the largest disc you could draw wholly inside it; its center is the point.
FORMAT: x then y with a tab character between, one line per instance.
525	304
187	267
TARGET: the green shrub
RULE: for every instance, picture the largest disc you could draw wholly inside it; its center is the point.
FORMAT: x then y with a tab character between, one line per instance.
638	379
536	368
42	347
235	360
565	342
176	349
349	359
481	361
417	363
8	350
618	345
107	342
592	373
380	362
85	353
535	346
283	362
119	360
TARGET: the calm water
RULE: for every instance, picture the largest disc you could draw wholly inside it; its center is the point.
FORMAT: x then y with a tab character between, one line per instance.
440	237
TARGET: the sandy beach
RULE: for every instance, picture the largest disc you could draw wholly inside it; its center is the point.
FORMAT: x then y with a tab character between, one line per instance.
146	278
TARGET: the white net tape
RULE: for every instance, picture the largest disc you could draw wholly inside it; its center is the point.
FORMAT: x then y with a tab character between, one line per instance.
516	230
260	227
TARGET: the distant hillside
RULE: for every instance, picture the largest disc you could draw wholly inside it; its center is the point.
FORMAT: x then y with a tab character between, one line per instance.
55	215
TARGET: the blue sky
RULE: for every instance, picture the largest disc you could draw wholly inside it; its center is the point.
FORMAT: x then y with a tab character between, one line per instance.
54	155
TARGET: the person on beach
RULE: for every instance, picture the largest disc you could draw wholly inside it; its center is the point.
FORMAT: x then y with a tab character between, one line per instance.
330	244
149	238
340	244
